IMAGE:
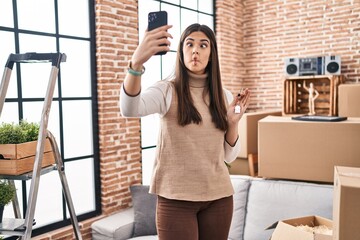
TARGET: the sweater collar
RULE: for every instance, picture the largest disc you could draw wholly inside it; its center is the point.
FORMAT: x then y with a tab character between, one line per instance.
197	80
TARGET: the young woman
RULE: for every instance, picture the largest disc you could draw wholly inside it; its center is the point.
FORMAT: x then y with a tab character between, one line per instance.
198	132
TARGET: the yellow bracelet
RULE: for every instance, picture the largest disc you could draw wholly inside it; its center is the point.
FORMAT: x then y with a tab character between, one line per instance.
134	72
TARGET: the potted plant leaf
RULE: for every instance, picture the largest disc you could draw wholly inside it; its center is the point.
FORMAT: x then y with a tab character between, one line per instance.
7	193
18	143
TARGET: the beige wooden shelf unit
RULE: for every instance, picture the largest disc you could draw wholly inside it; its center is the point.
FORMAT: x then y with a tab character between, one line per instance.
295	96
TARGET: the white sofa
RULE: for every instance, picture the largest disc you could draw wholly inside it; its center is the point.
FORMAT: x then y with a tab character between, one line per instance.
258	203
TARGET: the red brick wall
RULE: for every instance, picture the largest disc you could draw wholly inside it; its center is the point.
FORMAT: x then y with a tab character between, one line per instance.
253	38
117	38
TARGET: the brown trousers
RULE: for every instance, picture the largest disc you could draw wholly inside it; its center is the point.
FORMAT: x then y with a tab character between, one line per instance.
186	220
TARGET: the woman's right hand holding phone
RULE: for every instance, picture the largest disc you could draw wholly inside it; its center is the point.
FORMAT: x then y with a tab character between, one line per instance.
149	46
154	41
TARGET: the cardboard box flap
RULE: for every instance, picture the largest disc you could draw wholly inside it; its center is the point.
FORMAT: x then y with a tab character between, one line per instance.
349	176
307	220
283	231
272	226
289	227
311	221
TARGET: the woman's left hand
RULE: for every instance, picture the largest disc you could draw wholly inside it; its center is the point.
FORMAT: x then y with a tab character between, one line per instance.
242	100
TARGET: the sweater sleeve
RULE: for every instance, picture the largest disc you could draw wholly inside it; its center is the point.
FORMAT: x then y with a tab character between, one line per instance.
155	99
231	152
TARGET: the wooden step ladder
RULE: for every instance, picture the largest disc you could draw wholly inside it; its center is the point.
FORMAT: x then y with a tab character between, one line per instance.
23	227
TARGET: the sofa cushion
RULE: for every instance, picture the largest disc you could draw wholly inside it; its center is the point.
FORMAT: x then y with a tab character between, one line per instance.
241	186
144	205
118	226
272	200
153	237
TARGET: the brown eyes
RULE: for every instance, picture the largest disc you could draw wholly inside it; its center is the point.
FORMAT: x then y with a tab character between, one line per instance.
203	45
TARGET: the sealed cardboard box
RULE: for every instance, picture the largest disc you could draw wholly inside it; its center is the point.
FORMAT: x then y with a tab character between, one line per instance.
303	228
304	150
248	131
346	209
349	100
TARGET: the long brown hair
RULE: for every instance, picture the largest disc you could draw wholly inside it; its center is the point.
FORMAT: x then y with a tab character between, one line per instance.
187	112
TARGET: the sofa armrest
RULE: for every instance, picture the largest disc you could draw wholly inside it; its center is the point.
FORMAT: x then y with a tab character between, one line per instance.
119	226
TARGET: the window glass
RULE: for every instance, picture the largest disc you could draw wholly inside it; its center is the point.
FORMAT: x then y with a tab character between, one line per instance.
9	113
191	17
207	20
36	43
6	14
149	130
75	72
69	21
32	113
49	199
206	6
168	64
146	6
189	4
148	159
36	75
81	184
9	210
77	131
152	73
36	15
173	19
173	1
6	48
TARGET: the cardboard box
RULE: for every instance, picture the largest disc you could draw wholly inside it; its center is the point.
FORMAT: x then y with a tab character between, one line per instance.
346	209
302	150
349	100
248	131
288	229
239	166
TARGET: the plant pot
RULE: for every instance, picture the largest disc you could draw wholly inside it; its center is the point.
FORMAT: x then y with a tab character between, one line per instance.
1	213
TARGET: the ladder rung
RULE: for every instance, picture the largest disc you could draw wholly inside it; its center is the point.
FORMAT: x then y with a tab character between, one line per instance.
13	226
29	175
33	57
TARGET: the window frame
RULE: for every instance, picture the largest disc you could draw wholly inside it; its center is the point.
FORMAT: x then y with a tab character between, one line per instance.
20	101
149	149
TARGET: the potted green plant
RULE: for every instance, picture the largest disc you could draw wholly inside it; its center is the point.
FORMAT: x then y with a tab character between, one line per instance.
7	193
13	133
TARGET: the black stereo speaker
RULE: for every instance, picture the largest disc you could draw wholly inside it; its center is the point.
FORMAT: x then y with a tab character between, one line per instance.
292	66
332	65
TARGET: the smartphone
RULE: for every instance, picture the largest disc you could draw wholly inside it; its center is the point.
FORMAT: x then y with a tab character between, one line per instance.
155	20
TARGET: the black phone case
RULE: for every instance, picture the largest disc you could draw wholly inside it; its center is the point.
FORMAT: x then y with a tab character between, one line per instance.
155	20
